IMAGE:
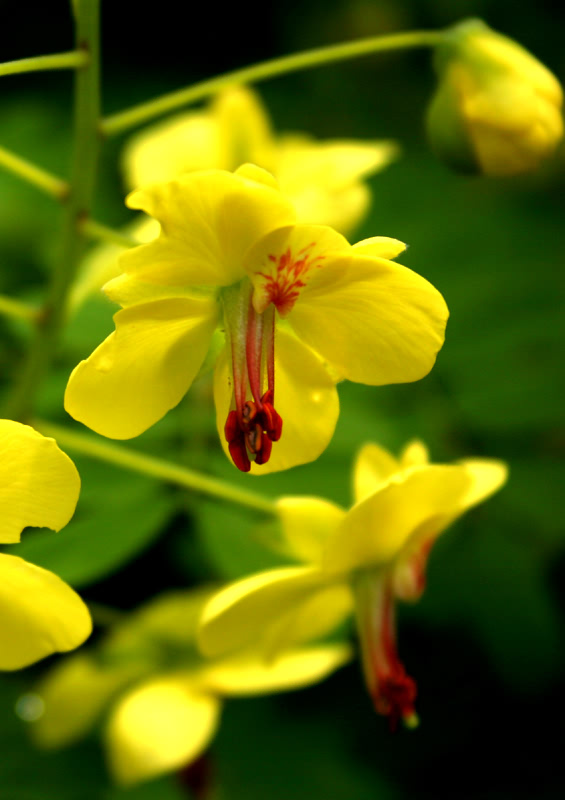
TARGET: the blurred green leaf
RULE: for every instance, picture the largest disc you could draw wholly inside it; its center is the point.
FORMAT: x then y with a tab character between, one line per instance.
119	514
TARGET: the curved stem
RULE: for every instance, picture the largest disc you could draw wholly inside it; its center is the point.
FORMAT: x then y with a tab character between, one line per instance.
17	310
74	59
83	173
122	121
38	177
158	468
95	230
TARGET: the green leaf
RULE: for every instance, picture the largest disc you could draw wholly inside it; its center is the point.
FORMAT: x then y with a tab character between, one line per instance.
119	514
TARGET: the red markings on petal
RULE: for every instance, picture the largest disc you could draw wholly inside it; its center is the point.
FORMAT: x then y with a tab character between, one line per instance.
284	282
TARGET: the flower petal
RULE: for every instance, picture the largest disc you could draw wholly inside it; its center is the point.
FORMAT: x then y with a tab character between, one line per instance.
39	484
379	246
39	614
305	398
159	727
378	528
373	467
143	369
488	475
209	220
249	673
415	454
375	321
307	522
101	264
243	612
75	693
164	151
323	179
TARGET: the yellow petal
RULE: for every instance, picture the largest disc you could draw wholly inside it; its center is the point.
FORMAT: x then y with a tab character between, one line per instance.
415	454
241	613
159	727
323	179
379	246
249	674
319	614
333	163
305	397
182	144
39	484
307	522
127	290
39	614
244	127
209	220
488	475
143	369
75	693
377	529
101	264
373	467
374	321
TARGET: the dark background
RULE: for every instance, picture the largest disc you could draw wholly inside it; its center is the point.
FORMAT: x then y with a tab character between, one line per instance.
486	642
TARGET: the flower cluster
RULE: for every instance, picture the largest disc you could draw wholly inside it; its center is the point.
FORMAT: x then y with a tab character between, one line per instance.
160	698
358	561
297	308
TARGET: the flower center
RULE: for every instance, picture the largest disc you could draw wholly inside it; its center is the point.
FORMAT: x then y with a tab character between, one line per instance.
253	425
284	275
392	689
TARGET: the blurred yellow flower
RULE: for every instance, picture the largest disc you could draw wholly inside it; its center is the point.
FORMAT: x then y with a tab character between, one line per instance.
362	560
323	179
497	109
39	486
295	301
163	699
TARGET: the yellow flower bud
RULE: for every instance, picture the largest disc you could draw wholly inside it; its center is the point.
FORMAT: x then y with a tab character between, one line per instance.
497	109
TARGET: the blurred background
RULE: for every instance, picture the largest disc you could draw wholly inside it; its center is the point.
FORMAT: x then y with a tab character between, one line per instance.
486	642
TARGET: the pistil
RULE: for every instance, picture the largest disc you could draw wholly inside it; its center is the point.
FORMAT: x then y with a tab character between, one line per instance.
253	425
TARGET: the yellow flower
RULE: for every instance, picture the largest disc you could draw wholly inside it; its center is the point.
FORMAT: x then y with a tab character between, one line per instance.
358	560
295	301
39	486
497	109
323	180
163	700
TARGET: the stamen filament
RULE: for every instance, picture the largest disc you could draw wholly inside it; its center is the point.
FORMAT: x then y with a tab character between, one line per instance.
254	351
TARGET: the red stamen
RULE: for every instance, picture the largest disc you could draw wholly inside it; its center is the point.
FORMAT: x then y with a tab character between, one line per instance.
392	690
253	425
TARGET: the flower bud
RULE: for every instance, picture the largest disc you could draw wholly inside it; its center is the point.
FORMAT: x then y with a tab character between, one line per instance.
497	109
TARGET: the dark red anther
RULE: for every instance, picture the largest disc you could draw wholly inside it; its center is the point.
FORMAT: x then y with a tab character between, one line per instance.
265	452
253	438
396	696
248	412
273	422
232	429
238	452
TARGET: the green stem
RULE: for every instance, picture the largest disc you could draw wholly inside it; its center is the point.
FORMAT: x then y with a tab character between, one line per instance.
17	310
75	59
158	468
122	121
95	230
38	177
83	173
